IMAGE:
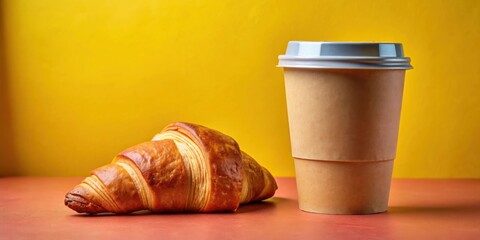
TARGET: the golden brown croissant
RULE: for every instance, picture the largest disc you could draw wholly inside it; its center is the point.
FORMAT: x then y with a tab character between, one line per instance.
186	167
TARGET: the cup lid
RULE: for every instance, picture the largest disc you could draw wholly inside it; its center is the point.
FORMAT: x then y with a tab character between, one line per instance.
353	55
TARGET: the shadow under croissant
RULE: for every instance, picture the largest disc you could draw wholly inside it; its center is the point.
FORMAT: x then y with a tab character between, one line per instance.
265	205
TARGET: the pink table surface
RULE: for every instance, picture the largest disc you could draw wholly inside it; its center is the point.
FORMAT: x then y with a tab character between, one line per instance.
32	208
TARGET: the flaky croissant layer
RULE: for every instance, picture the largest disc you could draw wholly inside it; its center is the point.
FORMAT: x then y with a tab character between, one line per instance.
186	167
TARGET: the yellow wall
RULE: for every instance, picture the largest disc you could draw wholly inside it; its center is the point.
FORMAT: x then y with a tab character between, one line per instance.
82	80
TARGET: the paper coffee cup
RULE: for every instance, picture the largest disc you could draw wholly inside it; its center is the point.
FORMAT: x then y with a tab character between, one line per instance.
344	102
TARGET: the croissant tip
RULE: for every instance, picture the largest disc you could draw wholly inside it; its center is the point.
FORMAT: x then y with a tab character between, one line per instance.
81	205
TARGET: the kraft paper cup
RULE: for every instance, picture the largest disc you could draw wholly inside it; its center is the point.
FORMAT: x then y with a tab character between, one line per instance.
344	102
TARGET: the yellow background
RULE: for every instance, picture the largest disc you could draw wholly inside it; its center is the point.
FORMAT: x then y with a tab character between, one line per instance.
82	80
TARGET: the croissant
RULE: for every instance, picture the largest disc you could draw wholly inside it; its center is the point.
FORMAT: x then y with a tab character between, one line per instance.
186	167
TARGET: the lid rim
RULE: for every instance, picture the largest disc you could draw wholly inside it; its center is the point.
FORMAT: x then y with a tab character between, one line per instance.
351	67
343	59
345	64
337	57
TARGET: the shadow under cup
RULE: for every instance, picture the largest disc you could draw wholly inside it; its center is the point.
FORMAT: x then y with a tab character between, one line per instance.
343	113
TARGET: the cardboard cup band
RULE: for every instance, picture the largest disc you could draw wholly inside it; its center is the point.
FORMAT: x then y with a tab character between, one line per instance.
344	114
333	187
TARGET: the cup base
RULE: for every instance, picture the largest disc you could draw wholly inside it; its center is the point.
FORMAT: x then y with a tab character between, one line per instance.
335	187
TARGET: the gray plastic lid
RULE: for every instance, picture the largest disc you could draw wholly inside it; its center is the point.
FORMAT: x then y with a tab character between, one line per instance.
369	55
